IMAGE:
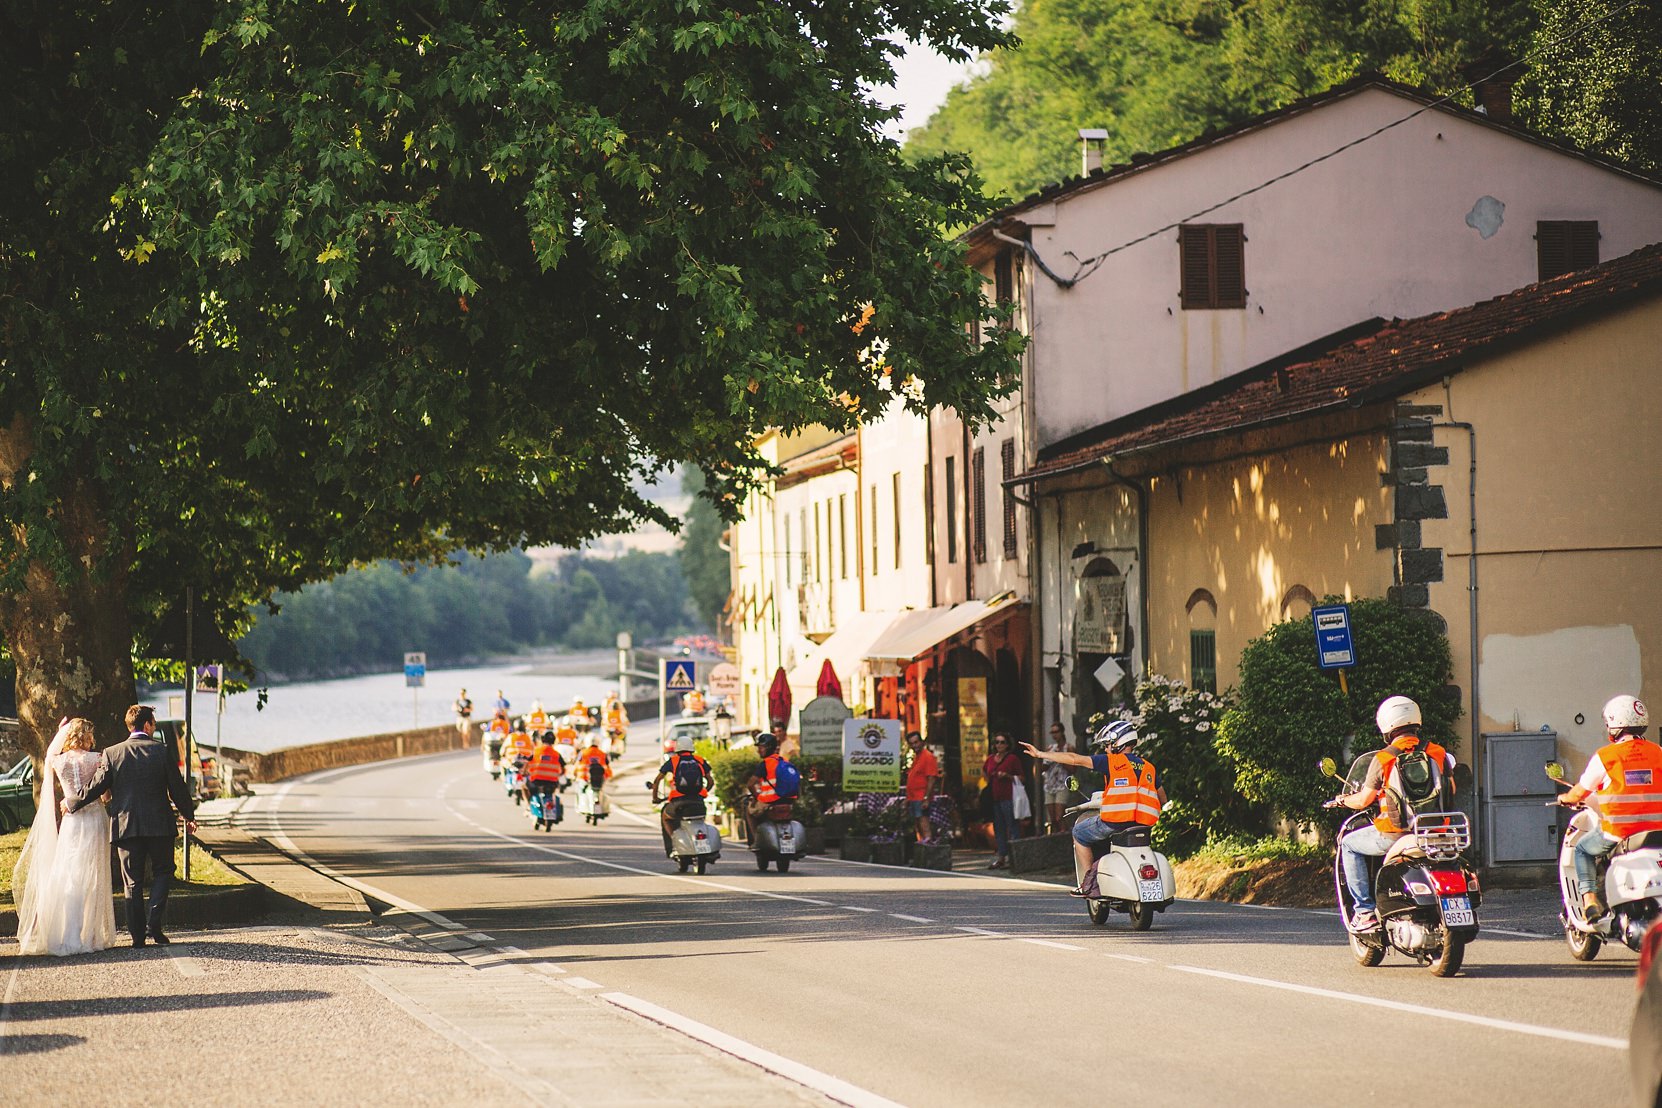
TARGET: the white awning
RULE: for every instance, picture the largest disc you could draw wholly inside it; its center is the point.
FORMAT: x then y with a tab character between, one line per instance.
845	650
906	639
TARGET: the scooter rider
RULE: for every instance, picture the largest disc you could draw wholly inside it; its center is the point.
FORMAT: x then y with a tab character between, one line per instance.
763	783
543	771
1398	719
685	797
1132	795
1626	774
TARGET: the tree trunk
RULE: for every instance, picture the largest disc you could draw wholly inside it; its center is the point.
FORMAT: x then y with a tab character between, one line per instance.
67	626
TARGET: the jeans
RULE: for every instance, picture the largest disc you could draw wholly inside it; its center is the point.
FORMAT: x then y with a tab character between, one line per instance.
1004	824
1089	830
1354	851
1589	849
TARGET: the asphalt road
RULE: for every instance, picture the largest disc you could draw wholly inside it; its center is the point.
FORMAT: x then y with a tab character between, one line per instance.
964	989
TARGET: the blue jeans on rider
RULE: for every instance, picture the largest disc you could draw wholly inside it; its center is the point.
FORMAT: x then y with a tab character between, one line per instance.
1592	846
1089	830
1354	851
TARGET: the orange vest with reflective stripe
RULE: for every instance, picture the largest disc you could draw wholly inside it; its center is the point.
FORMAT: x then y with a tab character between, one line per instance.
1128	793
766	785
545	765
675	764
617	719
519	743
1631	801
1387	760
595	754
538	720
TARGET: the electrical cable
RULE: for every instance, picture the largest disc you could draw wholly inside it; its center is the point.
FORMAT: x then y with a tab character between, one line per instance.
1087	266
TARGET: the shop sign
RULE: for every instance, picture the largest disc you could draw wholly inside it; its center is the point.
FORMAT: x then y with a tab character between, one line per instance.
972	728
871	755
820	724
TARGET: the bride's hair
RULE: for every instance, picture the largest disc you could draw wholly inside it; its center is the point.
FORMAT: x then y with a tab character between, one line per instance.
78	735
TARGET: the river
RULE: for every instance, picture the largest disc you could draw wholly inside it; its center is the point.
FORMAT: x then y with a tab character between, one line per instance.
318	711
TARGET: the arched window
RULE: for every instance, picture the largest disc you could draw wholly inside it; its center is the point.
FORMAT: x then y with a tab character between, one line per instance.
1297	603
1203	640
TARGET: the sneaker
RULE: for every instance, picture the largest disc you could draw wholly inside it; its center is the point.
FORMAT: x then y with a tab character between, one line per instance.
1085	892
1364	920
1592	906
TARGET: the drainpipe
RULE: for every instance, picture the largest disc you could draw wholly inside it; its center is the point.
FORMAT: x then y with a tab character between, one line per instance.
1471	603
969	530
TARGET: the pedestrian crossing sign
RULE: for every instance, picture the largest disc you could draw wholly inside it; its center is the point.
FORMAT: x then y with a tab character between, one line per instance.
679	677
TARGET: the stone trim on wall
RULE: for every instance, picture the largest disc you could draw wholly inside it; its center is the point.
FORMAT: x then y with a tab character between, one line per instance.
1413	456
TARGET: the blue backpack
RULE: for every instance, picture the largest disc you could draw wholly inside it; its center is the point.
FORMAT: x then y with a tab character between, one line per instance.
787	782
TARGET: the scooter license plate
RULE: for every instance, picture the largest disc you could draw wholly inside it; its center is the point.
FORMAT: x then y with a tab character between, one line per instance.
1457	911
1150	890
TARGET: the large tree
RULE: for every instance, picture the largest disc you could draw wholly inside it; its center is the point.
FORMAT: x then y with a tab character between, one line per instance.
287	286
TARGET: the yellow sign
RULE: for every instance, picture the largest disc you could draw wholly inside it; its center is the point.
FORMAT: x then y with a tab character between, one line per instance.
972	728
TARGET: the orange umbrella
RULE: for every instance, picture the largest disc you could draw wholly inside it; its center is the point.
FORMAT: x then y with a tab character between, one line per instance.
779	698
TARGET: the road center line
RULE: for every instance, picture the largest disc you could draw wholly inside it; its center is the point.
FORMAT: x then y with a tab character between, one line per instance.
983	931
1131	958
853	908
910	919
834	1087
1047	942
1416	1009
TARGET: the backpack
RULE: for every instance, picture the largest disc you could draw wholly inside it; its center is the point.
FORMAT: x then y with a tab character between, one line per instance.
689	775
597	773
787	782
1418	784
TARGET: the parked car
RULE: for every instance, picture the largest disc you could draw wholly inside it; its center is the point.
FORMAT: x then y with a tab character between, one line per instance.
695	727
1644	1042
17	796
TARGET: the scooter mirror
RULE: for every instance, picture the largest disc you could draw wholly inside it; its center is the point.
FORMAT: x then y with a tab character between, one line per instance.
1555	770
1329	767
1073	784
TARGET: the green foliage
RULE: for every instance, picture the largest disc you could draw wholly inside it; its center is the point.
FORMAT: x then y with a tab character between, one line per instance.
1177	730
1157	73
1238	850
1289	713
466	610
1599	88
731	770
704	563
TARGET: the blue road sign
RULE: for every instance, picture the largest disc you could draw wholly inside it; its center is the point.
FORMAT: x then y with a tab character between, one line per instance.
415	669
678	677
1334	648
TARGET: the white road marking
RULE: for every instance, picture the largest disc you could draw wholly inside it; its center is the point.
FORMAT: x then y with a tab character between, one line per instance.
983	931
834	1087
910	919
184	963
1515	934
855	908
1047	942
1415	1009
581	983
1131	958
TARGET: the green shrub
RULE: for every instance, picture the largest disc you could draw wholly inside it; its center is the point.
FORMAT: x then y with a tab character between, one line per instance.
1177	729
732	768
1238	850
1288	713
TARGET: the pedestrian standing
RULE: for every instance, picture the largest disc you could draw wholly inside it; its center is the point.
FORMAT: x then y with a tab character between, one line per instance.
1056	779
923	781
1002	769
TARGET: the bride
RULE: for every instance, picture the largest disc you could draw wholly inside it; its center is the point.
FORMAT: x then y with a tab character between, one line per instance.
65	906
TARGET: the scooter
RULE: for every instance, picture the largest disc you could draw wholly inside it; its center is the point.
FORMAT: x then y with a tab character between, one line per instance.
592	802
491	749
513	780
1632	885
1427	896
1131	876
618	742
546	809
693	843
779	838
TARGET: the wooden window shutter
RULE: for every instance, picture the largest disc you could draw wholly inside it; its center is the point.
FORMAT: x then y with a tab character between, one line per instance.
1212	265
978	502
1565	245
1007	458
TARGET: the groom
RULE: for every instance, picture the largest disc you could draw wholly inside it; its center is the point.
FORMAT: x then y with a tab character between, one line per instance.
140	774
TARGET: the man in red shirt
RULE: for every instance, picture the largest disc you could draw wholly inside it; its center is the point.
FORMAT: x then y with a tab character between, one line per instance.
923	781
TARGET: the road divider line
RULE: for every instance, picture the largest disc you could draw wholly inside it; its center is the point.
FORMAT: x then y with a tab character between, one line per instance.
1131	958
1047	942
581	983
910	919
834	1087
855	908
184	963
983	931
1415	1009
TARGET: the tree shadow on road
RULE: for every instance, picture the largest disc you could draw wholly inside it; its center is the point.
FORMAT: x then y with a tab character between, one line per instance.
37	1044
20	1010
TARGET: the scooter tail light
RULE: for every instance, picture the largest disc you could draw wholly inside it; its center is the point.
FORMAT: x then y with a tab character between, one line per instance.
1447	882
1148	872
702	836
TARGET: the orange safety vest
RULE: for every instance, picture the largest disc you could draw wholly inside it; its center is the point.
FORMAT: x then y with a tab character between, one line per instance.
1387	760
675	764
545	765
768	792
1630	803
595	754
500	726
1128	792
617	719
695	702
519	743
539	720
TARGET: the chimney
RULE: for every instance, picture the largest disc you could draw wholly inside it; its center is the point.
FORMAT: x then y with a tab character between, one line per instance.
1491	83
1091	142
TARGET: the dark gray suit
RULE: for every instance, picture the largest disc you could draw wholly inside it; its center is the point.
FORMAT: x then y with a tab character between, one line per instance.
140	774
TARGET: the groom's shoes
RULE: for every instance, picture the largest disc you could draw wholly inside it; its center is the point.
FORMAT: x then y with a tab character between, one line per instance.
138	941
158	938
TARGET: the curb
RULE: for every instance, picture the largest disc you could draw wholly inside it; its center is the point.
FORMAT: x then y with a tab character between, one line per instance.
220	907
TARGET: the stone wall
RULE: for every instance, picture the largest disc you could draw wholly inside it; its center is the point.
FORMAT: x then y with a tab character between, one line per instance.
295	760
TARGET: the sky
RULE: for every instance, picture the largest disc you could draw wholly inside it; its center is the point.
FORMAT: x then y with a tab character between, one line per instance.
922	80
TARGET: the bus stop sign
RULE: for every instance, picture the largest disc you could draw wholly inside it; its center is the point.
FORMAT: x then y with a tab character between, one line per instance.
1334	649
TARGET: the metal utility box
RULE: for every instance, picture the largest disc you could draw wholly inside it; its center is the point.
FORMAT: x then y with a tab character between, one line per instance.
1518	826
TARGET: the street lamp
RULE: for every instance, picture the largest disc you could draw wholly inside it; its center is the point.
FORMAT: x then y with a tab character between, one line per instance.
723	724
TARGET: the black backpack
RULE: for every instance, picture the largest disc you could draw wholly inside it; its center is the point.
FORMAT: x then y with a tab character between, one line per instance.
597	773
689	775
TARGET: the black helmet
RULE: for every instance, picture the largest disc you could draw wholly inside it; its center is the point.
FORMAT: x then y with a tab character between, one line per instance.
767	743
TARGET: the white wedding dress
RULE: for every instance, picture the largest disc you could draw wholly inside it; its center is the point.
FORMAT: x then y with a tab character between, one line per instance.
65	905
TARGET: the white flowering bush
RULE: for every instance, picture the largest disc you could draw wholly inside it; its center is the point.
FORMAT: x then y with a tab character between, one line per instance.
1178	730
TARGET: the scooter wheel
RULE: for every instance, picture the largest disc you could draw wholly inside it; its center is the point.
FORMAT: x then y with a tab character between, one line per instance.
1098	910
1584	945
1142	917
700	864
1367	954
1447	964
761	862
784	865
682	864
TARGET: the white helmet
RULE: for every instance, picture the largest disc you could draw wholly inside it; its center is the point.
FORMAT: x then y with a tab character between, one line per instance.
1117	736
1622	712
1395	713
684	744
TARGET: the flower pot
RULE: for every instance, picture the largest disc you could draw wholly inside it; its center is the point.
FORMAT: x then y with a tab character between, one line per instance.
816	840
856	848
889	854
932	856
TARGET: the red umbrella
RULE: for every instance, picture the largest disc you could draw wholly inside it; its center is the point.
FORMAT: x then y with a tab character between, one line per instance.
779	698
828	683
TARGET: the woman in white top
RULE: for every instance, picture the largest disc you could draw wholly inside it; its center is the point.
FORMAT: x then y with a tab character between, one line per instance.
64	903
